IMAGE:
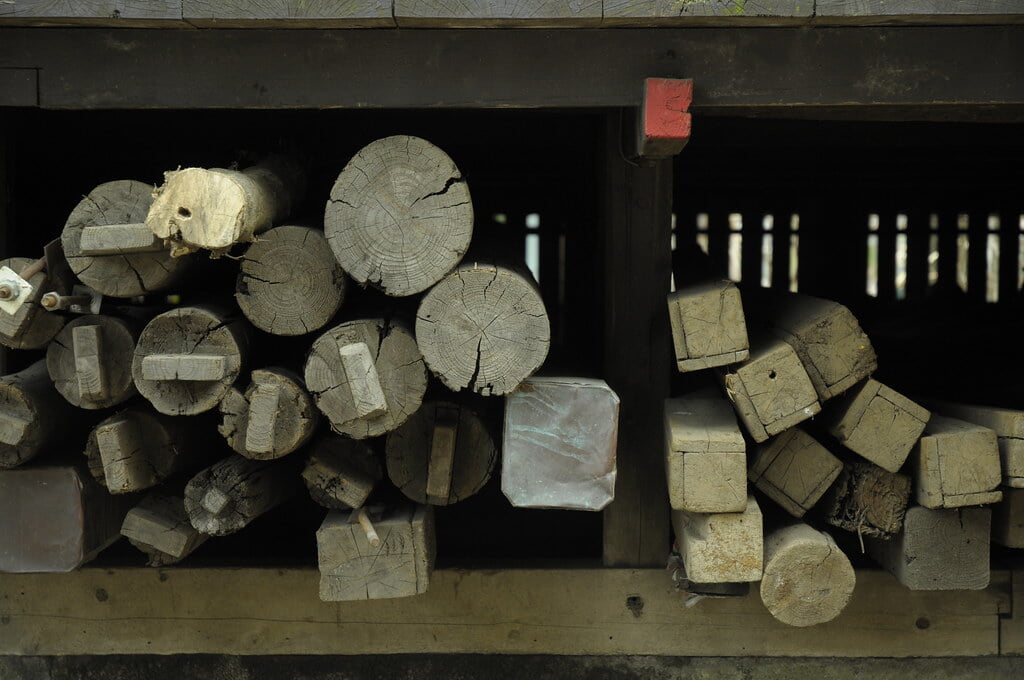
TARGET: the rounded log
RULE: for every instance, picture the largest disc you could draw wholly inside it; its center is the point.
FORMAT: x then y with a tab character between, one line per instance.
31	326
231	493
90	361
271	418
341	473
33	415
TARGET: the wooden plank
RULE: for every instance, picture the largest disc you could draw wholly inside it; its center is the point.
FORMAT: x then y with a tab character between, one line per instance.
288	13
706	12
527	611
19	87
497	13
1011	628
137	13
915	11
481	69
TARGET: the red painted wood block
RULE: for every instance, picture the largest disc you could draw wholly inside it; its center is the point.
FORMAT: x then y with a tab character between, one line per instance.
664	123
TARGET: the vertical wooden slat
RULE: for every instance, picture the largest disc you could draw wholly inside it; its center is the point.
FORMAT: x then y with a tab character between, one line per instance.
1009	254
947	249
781	233
977	261
636	225
918	234
751	263
887	254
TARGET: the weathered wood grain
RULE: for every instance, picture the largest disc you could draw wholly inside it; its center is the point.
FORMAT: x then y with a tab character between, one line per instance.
794	470
31	327
708	326
913	11
956	464
498	13
721	547
231	493
341	473
90	361
33	416
271	417
139	13
288	13
703	12
159	527
868	500
1008	425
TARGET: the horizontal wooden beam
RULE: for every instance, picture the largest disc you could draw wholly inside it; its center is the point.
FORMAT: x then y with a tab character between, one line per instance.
572	611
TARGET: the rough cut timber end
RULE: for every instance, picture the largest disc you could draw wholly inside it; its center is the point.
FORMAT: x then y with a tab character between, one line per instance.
708	326
341	473
90	361
956	464
1008	425
721	547
868	500
134	450
705	454
353	569
794	470
271	418
559	446
159	527
663	126
231	493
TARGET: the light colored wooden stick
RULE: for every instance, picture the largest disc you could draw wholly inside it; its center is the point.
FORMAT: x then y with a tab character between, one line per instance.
32	269
202	367
90	371
106	239
90	361
269	419
364	521
362	380
262	418
442	454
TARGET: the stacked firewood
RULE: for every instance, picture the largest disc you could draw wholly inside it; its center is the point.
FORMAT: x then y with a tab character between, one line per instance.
800	418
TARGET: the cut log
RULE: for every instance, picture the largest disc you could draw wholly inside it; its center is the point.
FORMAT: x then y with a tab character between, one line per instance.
945	549
110	248
90	361
705	454
721	547
30	327
1008	519
483	328
877	422
835	351
341	472
956	463
213	209
55	519
33	416
559	444
443	454
134	450
159	527
1008	425
770	390
271	418
231	493
399	216
349	364
708	326
807	579
289	282
353	569
187	358
794	470
868	500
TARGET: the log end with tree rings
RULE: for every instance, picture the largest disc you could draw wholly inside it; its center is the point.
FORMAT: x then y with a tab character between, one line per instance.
110	248
134	450
271	418
483	328
31	326
290	283
232	492
367	376
90	361
341	473
32	415
399	216
187	358
441	455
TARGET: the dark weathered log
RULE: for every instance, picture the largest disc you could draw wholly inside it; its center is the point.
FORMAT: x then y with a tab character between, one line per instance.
231	493
367	377
33	415
794	470
110	248
721	547
399	216
443	454
187	358
271	418
159	527
341	473
708	326
868	500
30	327
90	361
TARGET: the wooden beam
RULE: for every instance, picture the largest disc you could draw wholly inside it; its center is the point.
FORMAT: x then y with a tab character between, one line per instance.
706	12
114	13
497	13
529	611
877	12
288	13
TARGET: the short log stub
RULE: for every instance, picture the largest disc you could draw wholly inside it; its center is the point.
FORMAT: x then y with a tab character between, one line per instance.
1008	425
351	364
159	527
794	470
721	547
868	500
353	569
33	415
134	450
341	473
807	579
956	464
289	282
90	361
273	417
31	327
708	326
187	358
399	216
483	328
231	493
109	247
443	454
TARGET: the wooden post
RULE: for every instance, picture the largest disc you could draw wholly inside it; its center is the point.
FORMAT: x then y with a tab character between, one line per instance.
90	361
344	378
30	327
807	579
559	447
271	418
877	422
110	248
708	326
159	527
794	470
341	472
187	358
721	547
705	454
443	454
231	493
1008	519
771	390
399	216
1008	425
214	209
351	568
33	416
483	328
945	549
956	463
868	500
289	282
